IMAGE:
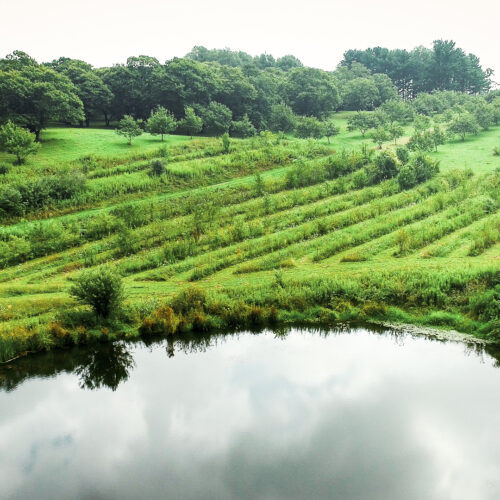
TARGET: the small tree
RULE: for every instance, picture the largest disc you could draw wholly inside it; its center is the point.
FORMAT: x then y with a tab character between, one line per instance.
161	122
17	141
100	288
463	124
379	136
282	118
421	141
191	123
362	121
385	166
438	137
216	118
330	129
395	131
129	128
397	110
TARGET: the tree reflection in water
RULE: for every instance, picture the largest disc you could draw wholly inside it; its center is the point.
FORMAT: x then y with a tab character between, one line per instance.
109	364
106	365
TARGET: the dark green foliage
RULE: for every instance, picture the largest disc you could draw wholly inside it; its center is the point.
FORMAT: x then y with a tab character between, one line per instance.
32	95
157	168
419	169
90	88
311	91
309	127
216	118
282	118
422	70
385	166
243	128
402	154
100	288
226	142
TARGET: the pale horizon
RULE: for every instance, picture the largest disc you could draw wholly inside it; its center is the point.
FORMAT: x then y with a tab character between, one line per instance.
106	32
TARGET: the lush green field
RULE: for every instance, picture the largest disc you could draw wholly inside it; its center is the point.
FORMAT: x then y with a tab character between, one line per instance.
69	144
305	241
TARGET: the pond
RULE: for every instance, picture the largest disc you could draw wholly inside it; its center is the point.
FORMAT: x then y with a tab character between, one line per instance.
355	413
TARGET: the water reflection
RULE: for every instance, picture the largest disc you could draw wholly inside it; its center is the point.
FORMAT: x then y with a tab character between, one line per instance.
108	365
294	414
97	366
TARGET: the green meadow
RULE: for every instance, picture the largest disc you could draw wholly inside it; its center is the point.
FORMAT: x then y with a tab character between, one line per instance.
277	231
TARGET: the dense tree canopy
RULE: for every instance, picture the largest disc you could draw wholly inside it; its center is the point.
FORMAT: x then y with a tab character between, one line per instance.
32	95
444	67
234	91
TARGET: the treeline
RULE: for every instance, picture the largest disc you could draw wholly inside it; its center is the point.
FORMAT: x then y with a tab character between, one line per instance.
444	67
260	90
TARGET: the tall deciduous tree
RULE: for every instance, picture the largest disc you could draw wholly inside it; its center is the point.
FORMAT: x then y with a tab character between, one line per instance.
93	92
32	95
311	92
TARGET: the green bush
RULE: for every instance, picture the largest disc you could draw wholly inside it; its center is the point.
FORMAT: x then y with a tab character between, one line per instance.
100	288
157	168
486	306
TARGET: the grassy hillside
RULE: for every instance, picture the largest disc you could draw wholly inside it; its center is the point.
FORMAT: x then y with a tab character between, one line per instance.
309	239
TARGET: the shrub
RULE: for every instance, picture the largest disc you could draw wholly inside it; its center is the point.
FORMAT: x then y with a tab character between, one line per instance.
385	166
100	288
486	306
226	142
10	202
419	169
157	168
188	300
403	155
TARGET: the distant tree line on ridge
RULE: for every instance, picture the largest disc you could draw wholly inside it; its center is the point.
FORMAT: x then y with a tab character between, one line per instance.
216	91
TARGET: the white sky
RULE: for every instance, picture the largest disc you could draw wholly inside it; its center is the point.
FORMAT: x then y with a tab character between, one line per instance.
103	32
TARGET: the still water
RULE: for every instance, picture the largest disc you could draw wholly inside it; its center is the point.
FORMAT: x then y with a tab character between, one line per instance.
355	414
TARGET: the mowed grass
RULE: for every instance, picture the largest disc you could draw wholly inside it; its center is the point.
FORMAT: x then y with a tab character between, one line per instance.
476	152
65	145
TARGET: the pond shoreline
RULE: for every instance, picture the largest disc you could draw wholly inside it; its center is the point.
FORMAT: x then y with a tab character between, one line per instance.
435	333
404	328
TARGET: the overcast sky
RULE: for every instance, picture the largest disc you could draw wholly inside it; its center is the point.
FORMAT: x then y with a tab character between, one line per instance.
103	32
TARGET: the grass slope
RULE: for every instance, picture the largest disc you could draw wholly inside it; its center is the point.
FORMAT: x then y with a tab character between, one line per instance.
326	249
